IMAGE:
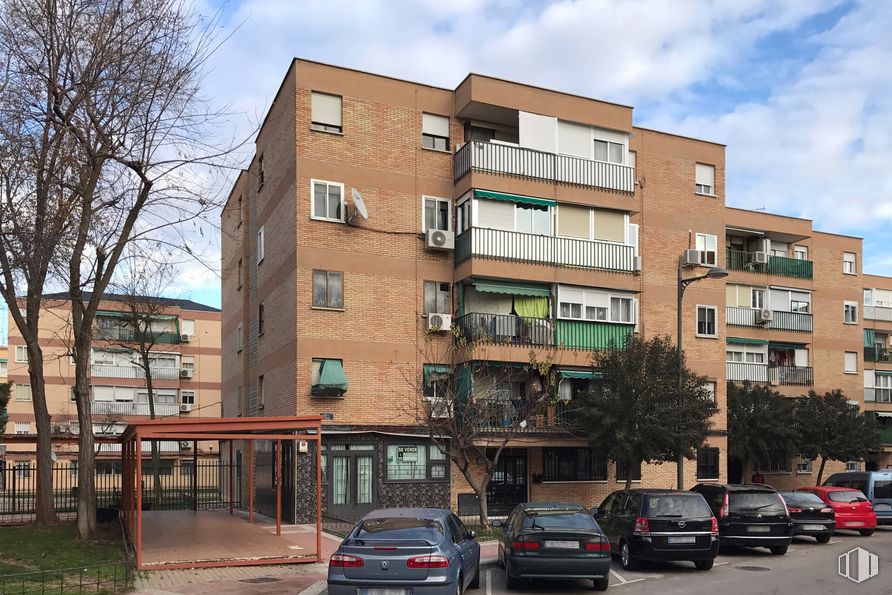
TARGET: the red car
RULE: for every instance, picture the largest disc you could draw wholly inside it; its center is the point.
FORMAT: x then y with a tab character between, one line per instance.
853	509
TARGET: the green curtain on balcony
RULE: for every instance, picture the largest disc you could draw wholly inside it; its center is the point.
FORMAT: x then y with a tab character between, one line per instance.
527	200
870	337
531	307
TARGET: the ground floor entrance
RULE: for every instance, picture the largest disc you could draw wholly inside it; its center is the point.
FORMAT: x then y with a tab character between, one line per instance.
350	479
508	484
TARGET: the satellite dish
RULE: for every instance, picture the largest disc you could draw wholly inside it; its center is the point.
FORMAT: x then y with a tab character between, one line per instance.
359	205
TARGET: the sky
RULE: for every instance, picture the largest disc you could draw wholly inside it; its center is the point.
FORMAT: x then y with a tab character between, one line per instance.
800	91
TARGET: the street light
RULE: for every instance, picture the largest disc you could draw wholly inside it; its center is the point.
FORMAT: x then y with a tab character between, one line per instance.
712	273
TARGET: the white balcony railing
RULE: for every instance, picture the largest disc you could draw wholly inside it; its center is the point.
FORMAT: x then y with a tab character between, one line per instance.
780	320
124	408
133	372
878	313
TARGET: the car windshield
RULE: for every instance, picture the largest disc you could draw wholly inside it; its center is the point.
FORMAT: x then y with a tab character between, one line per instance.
558	520
677	506
802	499
882	489
853	496
402	528
755	501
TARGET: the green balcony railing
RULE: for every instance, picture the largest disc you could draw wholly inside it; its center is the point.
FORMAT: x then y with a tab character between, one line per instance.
738	260
886	435
573	334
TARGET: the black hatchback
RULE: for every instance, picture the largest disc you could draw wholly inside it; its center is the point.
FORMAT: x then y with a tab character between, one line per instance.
651	524
811	515
749	515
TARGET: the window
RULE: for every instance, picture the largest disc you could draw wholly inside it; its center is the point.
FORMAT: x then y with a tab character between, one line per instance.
621	310
416	462
436	214
238	338
463	217
239	213
707	245
22	392
707	463
435	132
241	275
709	389
260	394
21	354
803	464
848	263
328	289
260	320
165	467
622	473
186	467
853	465
436	298
187	397
261	245
706	321
22	428
704	179
577	303
755	358
110	468
776	463
573	464
868	297
328	201
188	362
851	312
336	379
22	469
4	368
187	327
326	113
260	172
758	298
800	252
608	151
851	362
734	356
532	219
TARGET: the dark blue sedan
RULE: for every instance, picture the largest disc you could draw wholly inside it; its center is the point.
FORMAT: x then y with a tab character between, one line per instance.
398	551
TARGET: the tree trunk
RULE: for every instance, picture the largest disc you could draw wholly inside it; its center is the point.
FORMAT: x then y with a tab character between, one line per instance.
156	455
821	470
629	468
746	470
86	457
45	505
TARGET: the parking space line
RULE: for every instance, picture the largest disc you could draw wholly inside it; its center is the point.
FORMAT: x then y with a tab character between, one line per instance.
618	577
624	583
720	563
837	541
488	581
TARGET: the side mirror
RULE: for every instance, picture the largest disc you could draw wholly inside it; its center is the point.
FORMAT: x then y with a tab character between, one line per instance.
595	511
472	535
498	524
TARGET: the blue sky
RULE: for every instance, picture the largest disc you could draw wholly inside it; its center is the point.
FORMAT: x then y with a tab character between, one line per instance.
800	91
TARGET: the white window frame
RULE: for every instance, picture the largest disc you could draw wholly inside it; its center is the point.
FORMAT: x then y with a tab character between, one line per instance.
753	291
704	251
21	354
704	189
327	183
4	368
261	244
800	252
850	307
425	133
715	313
803	465
187	397
846	262
437	200
22	428
563	298
438	291
853	356
30	396
868	297
323	126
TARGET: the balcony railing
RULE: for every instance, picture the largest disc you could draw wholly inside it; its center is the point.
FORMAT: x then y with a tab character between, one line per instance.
511	160
502	415
877	395
551	250
508	329
132	372
780	320
777	375
124	408
738	260
878	354
878	313
129	335
578	334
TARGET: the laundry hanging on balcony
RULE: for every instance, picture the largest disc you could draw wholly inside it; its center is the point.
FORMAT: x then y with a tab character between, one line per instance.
531	307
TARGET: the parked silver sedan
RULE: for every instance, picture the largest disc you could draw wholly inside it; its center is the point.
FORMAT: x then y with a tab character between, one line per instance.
402	551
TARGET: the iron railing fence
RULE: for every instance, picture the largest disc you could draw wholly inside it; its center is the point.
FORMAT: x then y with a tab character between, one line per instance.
114	577
780	320
768	374
878	313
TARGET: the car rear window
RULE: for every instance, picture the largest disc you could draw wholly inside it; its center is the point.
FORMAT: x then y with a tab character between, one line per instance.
846	496
677	506
544	521
400	528
882	489
761	501
802	499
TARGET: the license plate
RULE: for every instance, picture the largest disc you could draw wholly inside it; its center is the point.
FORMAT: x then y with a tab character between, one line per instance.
883	507
854	524
683	539
758	529
383	592
813	527
565	545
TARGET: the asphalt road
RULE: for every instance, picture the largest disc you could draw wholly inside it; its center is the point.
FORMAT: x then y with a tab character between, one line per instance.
807	568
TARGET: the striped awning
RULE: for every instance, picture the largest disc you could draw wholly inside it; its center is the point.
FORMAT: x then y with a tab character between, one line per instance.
580	374
528	200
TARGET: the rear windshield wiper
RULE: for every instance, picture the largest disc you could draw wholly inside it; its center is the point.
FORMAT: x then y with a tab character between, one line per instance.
534	524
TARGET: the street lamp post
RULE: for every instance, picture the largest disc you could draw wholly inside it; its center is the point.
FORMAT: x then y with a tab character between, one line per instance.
713	273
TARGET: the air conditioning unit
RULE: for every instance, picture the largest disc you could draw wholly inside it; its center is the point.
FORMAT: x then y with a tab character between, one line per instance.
185	338
760	257
61	429
440	408
690	258
185	445
185	373
764	315
636	264
439	323
437	239
185	407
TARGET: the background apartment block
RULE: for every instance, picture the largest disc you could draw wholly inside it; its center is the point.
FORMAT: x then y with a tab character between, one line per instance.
530	220
185	373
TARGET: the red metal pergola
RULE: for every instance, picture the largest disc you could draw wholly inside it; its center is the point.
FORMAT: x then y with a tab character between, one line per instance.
248	430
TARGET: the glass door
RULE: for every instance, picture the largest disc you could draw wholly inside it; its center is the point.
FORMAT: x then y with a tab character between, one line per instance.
351	480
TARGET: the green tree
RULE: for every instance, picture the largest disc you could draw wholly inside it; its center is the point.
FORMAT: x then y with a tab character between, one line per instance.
832	428
632	414
5	389
760	424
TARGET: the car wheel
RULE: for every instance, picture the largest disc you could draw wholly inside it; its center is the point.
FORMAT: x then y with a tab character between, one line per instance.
601	584
866	532
625	556
511	583
779	550
703	564
823	538
475	582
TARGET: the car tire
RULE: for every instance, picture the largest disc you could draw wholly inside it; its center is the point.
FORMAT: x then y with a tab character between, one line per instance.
823	538
704	564
625	556
779	550
865	532
600	584
511	583
475	582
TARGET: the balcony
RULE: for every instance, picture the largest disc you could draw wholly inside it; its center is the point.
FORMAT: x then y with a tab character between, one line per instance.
507	329
133	372
502	415
737	260
521	162
781	320
878	313
877	395
878	354
549	250
127	408
774	375
123	334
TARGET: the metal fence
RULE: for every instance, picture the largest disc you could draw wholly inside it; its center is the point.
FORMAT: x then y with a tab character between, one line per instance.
103	578
776	375
878	313
780	320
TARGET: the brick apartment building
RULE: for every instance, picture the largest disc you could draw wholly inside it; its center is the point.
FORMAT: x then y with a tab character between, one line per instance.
547	220
185	373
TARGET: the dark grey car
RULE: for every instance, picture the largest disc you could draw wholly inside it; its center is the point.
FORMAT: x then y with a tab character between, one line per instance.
403	551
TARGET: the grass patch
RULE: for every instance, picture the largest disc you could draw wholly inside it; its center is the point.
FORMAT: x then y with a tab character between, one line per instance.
491	534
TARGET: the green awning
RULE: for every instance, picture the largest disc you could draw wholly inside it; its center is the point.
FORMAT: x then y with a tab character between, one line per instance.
870	337
527	200
510	288
883	372
332	379
119	314
743	341
779	345
582	375
113	350
431	369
